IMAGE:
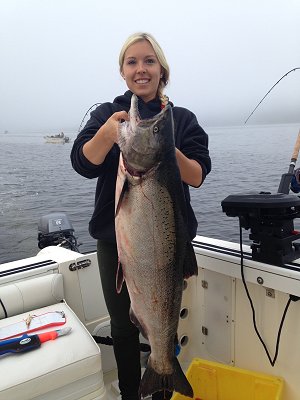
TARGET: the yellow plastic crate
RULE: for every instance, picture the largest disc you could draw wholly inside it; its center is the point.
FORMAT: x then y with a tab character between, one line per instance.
215	381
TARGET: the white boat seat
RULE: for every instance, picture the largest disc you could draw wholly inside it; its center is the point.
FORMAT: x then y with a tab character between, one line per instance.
68	368
21	296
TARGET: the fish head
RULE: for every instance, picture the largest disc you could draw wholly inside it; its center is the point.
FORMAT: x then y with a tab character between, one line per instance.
144	142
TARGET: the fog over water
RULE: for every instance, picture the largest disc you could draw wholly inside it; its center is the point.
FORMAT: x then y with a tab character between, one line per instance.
58	57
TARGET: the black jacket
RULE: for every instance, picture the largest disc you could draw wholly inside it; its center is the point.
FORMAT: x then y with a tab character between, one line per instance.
190	138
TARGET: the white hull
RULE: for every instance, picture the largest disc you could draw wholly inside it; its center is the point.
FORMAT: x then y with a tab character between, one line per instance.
216	325
55	140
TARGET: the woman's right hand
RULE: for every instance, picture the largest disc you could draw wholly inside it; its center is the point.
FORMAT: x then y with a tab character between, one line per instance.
111	127
96	149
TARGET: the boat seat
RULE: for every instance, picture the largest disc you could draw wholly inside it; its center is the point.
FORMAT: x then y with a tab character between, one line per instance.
24	295
68	368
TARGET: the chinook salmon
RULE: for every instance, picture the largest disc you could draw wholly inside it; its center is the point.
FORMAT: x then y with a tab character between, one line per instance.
155	252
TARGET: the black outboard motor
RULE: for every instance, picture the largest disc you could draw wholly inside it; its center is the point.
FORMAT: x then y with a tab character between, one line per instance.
55	229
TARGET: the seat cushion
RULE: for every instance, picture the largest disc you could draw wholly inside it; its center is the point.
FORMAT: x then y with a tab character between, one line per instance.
66	368
21	296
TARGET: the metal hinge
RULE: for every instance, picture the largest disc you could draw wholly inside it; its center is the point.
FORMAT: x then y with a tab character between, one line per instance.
80	265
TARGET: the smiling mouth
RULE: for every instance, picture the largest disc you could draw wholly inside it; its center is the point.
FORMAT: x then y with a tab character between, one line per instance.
142	81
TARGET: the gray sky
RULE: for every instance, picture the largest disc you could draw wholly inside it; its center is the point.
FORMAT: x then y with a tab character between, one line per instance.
58	57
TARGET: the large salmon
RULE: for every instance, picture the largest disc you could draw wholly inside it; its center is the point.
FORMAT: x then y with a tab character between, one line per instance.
154	249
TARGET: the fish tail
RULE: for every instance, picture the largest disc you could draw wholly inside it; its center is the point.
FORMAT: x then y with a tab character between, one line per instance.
153	382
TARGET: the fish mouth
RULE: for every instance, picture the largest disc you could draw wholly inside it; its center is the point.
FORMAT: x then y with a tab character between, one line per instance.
149	121
135	119
134	116
142	141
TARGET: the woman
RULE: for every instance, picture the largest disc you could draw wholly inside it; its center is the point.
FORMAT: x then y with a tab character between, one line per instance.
95	153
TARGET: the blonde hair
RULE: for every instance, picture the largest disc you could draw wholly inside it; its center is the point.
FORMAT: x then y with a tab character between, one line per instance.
139	36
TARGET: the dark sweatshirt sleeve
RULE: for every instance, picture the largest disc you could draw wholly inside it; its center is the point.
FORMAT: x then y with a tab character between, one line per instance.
79	162
191	139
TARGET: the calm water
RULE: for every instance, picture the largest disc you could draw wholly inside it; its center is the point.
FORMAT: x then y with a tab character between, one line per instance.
36	178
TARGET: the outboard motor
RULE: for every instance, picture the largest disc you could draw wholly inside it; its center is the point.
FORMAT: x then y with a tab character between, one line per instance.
55	229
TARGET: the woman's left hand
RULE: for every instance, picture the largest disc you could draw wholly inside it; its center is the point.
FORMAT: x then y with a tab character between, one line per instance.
190	170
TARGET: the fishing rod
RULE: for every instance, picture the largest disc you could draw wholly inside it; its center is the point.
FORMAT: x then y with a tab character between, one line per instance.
286	179
82	121
292	70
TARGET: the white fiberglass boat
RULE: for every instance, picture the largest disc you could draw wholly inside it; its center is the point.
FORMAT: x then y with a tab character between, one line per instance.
216	324
60	138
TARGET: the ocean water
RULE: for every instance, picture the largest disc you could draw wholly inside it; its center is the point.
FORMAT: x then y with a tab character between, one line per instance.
36	178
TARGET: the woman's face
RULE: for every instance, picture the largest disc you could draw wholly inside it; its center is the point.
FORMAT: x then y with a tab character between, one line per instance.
142	70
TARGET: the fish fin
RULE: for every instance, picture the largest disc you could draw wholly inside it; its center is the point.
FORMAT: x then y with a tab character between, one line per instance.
119	278
153	382
137	323
121	184
190	266
123	191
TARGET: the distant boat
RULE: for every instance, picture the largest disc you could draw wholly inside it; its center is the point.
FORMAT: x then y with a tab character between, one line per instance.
57	139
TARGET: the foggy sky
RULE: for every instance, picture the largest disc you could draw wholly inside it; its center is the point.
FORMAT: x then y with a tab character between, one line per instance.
58	57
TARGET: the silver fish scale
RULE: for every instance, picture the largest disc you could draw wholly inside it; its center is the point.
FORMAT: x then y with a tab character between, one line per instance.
146	217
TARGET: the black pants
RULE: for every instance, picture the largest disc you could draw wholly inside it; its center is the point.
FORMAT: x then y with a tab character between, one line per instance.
124	333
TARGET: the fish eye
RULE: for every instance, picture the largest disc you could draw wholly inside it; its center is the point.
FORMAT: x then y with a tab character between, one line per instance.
155	129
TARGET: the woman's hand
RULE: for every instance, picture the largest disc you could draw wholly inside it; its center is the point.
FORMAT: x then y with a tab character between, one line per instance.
111	127
190	170
96	149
